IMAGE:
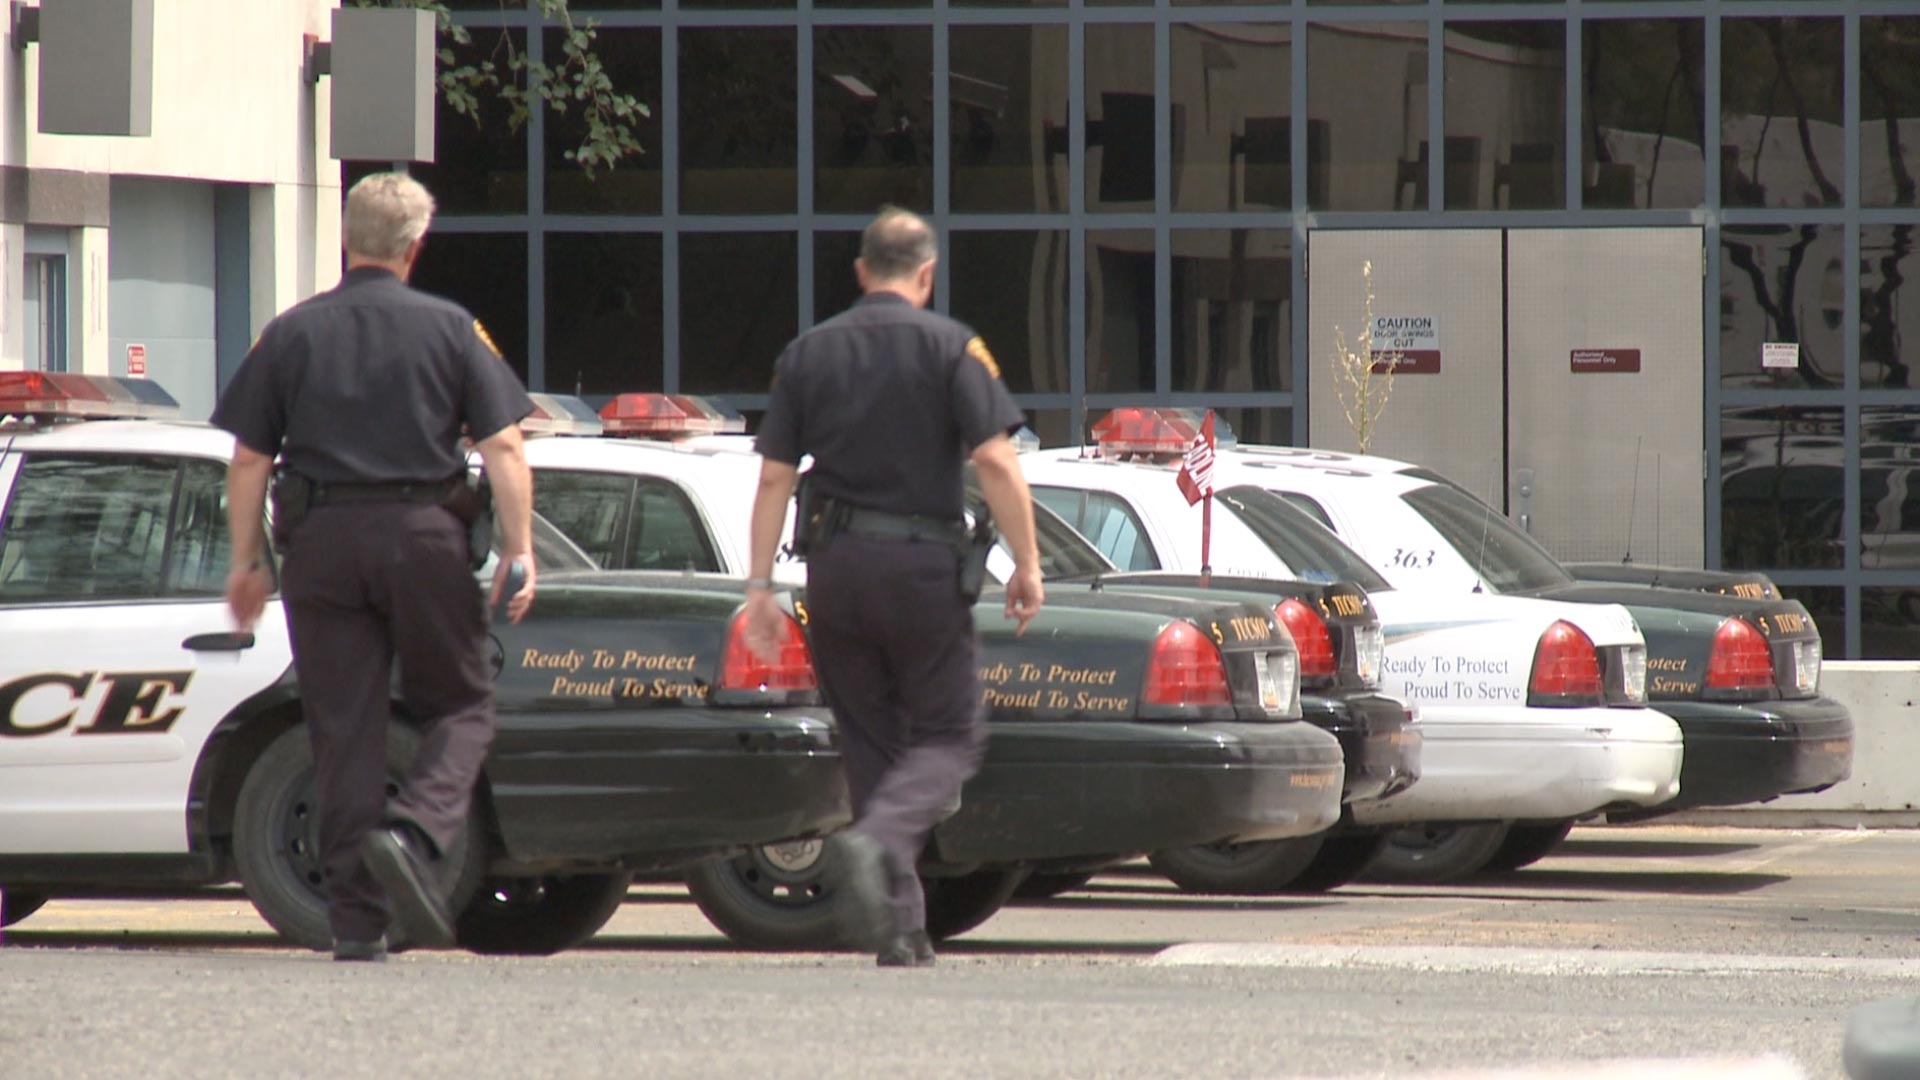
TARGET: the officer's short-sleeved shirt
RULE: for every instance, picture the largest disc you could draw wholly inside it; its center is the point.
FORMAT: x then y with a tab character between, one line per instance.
371	382
890	400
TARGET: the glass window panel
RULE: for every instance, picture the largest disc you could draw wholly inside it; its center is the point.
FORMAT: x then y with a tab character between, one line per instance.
604	324
1643	104
1781	488
1232	310
1231	129
835	288
1261	427
87	528
1120	141
872	124
480	165
486	273
738	121
749	4
666	532
1889	306
1365	1
1890	112
1889	488
731	347
589	507
1367	86
1889	624
1013	4
1781	283
632	61
1782	140
1506	116
1011	287
1120	308
1828	606
1007	92
201	547
1054	426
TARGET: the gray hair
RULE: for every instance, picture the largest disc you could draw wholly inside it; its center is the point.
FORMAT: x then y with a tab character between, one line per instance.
896	244
386	212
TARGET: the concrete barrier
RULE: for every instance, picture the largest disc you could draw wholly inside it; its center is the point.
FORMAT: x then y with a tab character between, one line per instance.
1884	790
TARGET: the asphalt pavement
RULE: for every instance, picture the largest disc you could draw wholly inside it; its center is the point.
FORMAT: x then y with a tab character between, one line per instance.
1653	951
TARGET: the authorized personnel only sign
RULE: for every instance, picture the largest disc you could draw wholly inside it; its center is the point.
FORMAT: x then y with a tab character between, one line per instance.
1780	354
1414	338
137	361
1591	361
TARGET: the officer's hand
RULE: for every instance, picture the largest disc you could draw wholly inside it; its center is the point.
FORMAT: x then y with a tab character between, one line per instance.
763	626
520	601
1024	597
247	589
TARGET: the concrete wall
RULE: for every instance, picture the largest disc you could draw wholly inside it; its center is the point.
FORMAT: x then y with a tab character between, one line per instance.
1884	696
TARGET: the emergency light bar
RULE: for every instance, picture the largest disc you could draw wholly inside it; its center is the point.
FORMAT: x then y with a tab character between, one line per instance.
1025	441
1156	431
53	395
668	415
560	414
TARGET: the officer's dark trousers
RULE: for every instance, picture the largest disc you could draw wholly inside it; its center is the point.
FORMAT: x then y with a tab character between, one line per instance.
897	657
367	584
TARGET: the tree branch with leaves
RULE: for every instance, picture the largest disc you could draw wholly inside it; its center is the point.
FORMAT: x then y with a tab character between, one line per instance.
503	70
1363	376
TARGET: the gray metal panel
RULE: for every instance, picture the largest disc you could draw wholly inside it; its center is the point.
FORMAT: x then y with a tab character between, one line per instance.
1449	421
383	85
1615	456
232	278
161	287
96	67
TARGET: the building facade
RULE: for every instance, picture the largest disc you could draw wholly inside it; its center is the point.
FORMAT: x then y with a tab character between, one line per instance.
165	252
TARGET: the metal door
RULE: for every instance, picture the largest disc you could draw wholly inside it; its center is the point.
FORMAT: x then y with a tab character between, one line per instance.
1554	373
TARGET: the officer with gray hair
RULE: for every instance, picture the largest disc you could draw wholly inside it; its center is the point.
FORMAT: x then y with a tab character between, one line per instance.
364	393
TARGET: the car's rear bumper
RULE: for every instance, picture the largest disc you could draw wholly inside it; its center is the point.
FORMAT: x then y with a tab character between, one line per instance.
1071	788
1481	763
636	786
1742	752
1380	742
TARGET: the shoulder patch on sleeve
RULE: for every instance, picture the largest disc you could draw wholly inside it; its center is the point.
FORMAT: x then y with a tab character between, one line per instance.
977	349
486	339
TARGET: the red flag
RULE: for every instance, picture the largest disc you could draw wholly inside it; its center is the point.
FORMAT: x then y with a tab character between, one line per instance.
1196	473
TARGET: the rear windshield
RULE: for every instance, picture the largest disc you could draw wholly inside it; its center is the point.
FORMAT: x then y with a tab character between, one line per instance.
1506	559
1301	542
1064	554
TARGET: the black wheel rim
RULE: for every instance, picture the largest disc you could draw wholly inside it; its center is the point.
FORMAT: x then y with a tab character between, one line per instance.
791	875
295	828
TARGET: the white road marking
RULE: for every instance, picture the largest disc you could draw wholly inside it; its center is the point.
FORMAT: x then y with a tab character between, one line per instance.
1523	961
1760	1068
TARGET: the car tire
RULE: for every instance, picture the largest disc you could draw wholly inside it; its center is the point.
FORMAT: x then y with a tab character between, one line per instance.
1341	861
1047	886
1526	845
17	904
777	896
539	916
1261	868
956	905
1435	853
276	831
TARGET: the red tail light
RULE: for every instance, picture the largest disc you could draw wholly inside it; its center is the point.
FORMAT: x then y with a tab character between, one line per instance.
1565	664
1186	669
741	670
1741	659
1310	636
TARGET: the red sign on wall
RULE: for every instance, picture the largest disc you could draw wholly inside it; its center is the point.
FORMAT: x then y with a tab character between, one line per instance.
137	361
1408	361
1598	361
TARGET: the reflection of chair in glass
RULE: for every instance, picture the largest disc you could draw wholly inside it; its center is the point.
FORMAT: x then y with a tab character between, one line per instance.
1125	135
1462	175
1529	176
1612	186
1266	151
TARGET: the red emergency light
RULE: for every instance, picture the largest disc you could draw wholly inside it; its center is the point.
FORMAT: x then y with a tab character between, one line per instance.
665	416
1152	431
54	395
560	414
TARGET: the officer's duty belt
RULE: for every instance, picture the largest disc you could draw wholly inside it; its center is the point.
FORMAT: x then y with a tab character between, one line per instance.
425	492
891	526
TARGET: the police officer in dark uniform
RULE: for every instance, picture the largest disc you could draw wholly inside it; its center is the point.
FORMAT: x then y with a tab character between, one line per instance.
892	400
364	392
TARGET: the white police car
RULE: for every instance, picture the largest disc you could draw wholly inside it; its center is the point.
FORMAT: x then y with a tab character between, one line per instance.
143	742
1532	711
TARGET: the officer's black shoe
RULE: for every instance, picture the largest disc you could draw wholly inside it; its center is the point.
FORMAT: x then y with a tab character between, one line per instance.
401	858
911	949
860	904
374	951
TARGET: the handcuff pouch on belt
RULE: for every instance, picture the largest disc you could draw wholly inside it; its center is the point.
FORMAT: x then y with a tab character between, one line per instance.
470	498
291	496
